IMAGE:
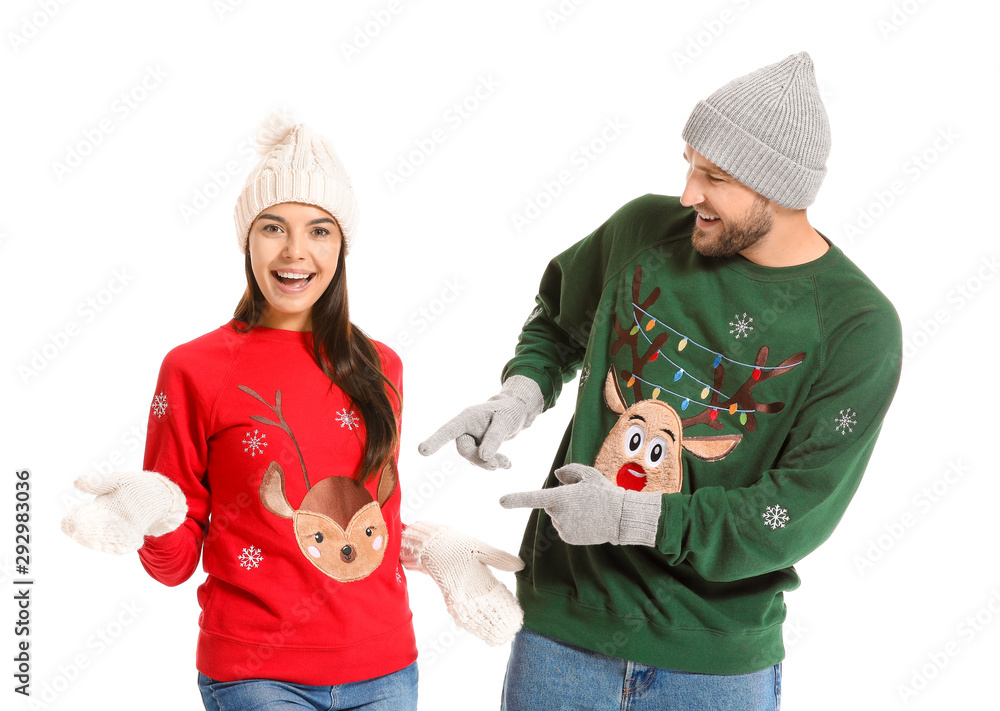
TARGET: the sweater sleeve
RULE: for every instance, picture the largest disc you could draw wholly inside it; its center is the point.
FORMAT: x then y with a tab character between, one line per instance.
177	448
738	533
553	340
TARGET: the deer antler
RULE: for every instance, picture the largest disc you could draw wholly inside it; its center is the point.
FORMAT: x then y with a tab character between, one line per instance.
280	424
630	337
743	398
628	334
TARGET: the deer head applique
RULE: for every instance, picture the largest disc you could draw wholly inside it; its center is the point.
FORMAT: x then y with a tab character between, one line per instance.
338	526
643	450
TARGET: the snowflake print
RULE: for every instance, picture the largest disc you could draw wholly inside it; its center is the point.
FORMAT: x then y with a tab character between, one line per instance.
741	325
775	517
584	374
159	405
531	317
846	421
399	578
347	419
250	558
255	443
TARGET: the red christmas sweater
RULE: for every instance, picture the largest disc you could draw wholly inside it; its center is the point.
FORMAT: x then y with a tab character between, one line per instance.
304	581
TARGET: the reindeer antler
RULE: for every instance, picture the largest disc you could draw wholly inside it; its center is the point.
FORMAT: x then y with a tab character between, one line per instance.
743	398
630	336
280	424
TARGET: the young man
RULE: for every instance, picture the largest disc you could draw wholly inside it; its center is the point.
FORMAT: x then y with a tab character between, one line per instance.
736	368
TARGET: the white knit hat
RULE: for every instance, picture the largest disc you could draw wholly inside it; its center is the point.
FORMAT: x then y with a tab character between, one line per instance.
296	165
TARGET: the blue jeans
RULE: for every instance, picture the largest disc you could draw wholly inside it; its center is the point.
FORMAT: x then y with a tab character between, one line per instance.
546	674
392	692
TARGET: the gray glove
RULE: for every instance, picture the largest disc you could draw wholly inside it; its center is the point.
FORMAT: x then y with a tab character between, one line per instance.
590	510
479	430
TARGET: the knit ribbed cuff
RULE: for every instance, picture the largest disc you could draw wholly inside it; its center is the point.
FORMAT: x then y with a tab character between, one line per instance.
528	392
167	521
640	518
416	536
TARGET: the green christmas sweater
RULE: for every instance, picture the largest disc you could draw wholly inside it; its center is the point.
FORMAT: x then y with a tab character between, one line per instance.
750	396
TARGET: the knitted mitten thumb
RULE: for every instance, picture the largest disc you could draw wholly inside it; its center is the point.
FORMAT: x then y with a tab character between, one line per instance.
128	507
460	565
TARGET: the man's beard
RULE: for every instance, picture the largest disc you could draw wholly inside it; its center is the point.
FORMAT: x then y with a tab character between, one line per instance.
734	237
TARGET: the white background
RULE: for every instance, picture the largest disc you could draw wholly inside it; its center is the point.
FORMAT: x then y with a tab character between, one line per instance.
441	271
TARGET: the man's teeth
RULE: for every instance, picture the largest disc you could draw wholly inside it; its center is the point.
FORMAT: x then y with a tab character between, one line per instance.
706	217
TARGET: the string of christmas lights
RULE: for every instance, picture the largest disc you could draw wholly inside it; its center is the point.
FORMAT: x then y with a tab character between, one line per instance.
685	341
686	401
706	388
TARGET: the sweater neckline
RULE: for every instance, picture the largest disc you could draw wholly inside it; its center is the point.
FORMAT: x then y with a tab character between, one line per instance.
829	259
272	334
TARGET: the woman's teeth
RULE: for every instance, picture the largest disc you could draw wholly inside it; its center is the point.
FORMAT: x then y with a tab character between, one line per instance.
293	279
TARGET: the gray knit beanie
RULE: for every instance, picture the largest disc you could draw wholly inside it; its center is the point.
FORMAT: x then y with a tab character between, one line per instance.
769	130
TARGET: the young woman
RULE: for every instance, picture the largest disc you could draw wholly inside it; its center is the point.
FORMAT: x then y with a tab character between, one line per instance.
273	445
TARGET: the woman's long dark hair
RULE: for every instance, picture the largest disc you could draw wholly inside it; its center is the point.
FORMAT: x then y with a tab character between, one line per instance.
348	357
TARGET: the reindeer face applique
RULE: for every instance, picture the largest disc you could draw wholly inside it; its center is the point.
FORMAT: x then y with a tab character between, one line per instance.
643	450
338	526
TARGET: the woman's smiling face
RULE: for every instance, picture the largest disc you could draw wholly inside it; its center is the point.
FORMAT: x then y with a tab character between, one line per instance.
294	252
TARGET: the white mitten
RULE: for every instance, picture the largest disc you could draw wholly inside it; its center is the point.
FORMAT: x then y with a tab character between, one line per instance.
458	564
129	506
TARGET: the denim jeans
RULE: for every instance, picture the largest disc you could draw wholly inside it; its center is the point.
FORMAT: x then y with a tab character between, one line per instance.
546	674
392	692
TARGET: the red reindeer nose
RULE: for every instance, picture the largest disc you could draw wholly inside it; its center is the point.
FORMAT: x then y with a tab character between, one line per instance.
632	476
